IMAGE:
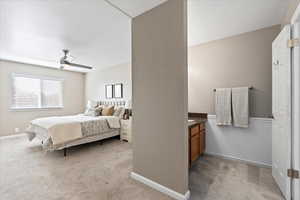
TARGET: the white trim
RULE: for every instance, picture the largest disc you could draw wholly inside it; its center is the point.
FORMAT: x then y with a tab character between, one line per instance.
258	164
211	116
19	134
295	102
252	118
296	15
25	75
38	63
160	187
12	109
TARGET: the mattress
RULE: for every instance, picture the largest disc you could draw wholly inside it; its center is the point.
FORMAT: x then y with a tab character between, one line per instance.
91	128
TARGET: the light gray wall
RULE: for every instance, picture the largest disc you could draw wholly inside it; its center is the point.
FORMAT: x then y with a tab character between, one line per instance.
242	60
73	95
159	73
293	4
253	144
96	81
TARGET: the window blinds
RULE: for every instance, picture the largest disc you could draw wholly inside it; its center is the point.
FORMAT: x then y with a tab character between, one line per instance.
36	92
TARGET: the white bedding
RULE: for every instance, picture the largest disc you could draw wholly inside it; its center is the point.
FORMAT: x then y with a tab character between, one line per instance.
64	129
60	129
48	122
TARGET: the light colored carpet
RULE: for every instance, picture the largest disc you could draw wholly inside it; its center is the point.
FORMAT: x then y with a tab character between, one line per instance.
101	172
213	178
89	172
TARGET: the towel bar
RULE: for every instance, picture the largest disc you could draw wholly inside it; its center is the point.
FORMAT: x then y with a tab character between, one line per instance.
250	88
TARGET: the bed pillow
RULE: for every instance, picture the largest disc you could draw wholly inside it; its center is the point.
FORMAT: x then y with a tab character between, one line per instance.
92	104
89	112
93	112
119	112
98	111
108	111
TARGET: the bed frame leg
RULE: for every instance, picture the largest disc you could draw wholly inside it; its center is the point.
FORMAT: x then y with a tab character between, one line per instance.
65	152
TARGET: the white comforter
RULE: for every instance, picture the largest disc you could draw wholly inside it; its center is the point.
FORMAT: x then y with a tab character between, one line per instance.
68	128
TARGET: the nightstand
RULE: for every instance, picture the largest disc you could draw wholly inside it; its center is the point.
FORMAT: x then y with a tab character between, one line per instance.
126	130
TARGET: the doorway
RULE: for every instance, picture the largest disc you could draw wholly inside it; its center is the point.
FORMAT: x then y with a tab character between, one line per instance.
295	164
281	108
286	138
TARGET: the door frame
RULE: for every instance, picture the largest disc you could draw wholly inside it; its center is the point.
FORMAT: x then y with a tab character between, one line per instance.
280	43
295	24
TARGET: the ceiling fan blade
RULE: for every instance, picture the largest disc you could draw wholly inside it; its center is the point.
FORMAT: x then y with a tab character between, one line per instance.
65	61
75	65
82	66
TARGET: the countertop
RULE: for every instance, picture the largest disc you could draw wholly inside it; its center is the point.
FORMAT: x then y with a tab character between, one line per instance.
194	120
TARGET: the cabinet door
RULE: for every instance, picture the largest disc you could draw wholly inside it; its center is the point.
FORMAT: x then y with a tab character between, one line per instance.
202	126
195	147
195	130
202	142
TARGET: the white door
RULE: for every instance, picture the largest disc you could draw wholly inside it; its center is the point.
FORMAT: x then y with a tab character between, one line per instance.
281	106
296	110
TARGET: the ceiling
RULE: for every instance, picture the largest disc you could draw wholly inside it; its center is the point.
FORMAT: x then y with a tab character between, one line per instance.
36	31
216	19
99	35
136	7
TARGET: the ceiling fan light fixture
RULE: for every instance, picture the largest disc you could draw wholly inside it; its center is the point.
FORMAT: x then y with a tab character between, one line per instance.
64	63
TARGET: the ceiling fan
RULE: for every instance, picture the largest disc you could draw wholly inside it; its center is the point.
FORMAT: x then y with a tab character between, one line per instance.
64	61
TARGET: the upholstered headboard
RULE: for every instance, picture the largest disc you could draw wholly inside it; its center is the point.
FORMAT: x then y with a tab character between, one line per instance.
113	103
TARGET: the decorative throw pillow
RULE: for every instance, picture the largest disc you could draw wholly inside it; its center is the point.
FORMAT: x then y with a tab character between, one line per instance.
108	111
98	111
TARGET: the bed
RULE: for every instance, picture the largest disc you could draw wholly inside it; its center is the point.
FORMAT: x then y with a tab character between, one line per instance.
62	132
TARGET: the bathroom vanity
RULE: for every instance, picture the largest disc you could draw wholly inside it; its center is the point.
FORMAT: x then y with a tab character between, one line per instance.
197	136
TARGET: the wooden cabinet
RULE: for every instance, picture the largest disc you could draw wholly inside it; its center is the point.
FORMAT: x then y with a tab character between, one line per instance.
197	142
195	130
202	142
195	147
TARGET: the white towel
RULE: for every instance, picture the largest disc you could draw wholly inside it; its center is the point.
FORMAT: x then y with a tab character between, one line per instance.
240	107
223	106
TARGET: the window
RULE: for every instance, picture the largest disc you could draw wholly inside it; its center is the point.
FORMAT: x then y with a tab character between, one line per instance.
36	92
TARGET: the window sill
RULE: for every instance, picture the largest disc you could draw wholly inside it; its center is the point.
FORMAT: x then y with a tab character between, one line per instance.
34	109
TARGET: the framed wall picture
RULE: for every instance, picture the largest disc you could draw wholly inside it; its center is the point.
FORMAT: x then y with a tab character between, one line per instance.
109	91
118	90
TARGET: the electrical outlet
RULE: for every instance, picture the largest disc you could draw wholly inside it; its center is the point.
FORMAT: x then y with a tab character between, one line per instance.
17	130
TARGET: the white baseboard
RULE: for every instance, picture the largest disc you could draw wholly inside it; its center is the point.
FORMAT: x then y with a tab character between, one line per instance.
160	187
259	164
